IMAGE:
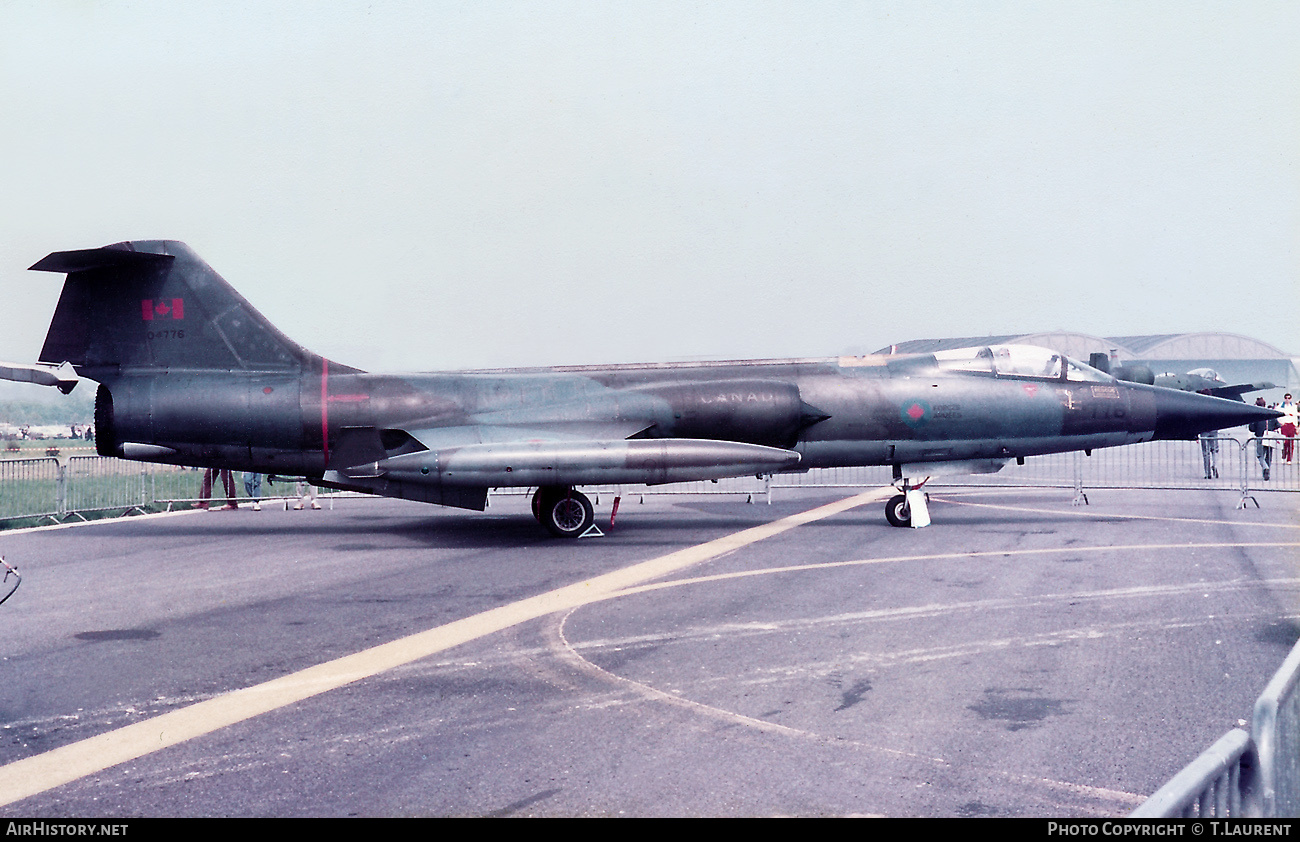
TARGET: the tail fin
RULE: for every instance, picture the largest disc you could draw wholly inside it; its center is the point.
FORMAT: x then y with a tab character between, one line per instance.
154	304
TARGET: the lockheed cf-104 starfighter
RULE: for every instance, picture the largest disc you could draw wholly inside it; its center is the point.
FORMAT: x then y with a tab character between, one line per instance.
190	373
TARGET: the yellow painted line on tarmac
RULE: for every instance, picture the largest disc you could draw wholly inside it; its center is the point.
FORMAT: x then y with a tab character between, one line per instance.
973	554
76	523
30	776
1112	515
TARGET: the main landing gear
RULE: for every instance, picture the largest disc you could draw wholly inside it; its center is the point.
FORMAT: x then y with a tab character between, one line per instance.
565	512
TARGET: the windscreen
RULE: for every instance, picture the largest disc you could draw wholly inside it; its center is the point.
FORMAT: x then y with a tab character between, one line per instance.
1018	361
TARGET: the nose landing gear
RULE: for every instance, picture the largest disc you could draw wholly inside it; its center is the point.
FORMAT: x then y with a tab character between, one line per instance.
909	508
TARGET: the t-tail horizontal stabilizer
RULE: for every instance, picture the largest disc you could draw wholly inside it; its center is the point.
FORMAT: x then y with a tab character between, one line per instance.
155	305
63	377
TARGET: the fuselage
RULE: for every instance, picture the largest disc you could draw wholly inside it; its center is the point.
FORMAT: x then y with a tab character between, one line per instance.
831	411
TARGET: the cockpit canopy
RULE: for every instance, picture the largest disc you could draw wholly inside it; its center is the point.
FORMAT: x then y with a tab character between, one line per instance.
1018	361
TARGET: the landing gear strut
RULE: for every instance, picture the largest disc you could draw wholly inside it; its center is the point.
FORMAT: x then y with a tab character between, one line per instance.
565	512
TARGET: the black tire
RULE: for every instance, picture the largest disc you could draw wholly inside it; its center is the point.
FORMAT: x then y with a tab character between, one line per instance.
567	513
897	512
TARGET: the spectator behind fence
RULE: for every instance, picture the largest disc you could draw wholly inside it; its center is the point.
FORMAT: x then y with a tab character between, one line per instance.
1263	446
227	482
253	488
1288	409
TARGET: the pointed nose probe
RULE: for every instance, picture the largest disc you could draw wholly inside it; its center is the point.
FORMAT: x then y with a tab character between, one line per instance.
1185	415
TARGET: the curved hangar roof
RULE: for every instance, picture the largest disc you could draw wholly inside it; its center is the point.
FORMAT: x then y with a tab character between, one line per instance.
1171	346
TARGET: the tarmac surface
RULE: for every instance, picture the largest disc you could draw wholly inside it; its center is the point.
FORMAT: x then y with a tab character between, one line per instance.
1020	657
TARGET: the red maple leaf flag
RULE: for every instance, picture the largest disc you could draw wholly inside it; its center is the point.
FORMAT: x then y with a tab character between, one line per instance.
162	309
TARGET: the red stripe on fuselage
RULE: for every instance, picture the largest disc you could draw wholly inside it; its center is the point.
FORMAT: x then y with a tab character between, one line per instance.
324	410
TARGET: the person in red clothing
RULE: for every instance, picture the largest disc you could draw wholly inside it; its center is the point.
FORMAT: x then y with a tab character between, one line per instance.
227	482
1288	420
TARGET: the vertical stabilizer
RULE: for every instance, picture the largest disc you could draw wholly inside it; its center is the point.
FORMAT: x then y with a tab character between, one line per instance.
155	305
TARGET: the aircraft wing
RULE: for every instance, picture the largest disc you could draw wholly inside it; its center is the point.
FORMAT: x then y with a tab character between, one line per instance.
63	377
357	447
442	438
1235	392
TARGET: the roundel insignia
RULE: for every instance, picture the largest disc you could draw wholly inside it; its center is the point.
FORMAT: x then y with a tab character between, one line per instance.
915	413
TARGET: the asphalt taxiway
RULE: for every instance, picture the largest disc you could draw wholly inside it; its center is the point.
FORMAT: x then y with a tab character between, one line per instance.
1021	656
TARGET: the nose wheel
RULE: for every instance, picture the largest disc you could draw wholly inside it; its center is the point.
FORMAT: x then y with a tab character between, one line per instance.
897	512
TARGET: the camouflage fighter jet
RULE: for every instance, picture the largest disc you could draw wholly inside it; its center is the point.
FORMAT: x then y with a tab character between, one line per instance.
1200	380
190	373
1208	380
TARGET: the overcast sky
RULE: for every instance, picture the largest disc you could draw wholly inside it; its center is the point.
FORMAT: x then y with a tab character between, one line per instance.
450	185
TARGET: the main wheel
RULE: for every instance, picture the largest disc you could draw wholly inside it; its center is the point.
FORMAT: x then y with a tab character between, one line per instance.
897	512
567	513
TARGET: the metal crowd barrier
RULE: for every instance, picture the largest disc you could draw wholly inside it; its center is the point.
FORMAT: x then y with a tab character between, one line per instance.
56	488
1233	466
30	488
1244	775
93	484
1284	476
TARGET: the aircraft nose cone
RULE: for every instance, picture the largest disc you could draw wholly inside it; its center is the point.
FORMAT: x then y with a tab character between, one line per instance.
1185	415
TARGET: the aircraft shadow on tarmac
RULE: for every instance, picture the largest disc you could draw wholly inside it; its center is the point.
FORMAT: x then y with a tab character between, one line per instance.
661	526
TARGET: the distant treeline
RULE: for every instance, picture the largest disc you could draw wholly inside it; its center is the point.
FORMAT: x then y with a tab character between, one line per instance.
72	410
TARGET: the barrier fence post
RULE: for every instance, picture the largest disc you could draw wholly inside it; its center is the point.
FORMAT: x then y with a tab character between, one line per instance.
1275	727
1244	467
1080	499
61	486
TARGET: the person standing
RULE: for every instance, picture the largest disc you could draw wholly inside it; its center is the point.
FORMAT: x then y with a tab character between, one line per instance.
253	488
1289	420
1209	453
1209	449
1263	447
227	483
306	494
